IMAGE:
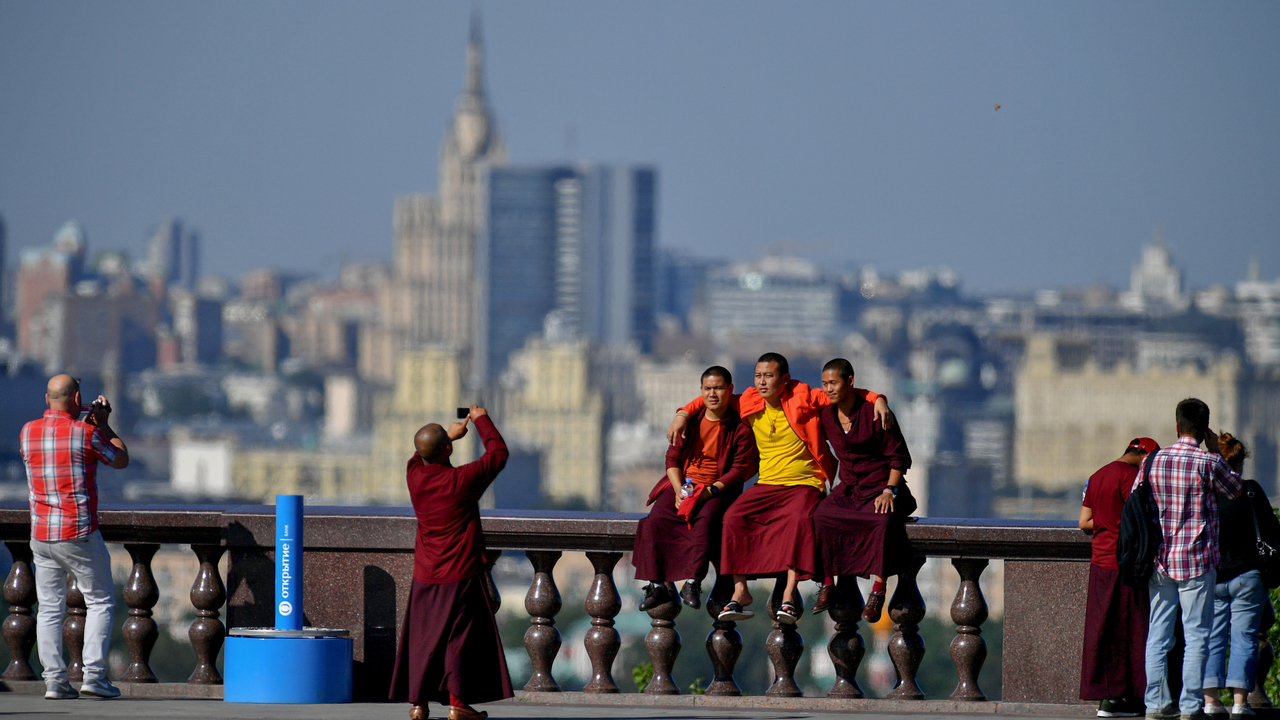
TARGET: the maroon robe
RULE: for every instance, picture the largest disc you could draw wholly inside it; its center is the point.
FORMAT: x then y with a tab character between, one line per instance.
1113	662
667	548
769	530
853	539
449	642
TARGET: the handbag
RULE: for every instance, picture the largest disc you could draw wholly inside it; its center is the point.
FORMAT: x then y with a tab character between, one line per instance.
1268	555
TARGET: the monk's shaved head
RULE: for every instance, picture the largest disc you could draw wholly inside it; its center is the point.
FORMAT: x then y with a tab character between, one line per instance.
62	387
430	440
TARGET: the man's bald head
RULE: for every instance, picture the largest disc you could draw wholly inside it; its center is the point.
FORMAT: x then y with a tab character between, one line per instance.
431	441
61	393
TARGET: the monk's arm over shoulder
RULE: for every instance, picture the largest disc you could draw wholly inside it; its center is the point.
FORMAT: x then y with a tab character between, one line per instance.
698	403
894	447
475	477
675	454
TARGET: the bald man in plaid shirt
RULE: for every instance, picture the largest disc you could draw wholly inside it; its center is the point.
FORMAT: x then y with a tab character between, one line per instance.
62	455
1184	481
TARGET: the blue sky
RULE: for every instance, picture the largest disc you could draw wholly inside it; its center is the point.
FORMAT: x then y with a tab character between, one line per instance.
851	132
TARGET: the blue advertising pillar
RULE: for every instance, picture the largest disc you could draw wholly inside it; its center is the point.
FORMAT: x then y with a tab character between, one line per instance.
288	562
289	663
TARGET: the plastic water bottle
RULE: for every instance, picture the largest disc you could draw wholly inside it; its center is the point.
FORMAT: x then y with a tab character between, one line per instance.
687	490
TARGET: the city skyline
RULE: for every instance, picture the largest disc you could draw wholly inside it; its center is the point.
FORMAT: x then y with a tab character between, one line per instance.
1113	121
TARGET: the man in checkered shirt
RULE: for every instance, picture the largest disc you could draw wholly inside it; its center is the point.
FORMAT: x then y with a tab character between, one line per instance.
1184	480
62	455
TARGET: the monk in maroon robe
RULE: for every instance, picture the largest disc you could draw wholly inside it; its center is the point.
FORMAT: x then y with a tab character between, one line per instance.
861	524
1113	662
706	468
449	646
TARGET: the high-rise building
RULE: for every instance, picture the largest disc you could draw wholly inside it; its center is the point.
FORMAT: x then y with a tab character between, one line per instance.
44	272
568	250
173	255
432	297
618	218
516	261
1155	283
778	300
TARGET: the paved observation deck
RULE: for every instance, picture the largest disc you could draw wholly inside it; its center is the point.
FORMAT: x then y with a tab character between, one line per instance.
357	573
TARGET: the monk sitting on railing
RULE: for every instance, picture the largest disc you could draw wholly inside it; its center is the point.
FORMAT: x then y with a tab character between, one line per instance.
705	472
861	525
450	651
768	532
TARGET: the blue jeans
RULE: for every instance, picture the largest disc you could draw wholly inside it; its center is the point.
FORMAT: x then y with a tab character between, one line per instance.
1237	610
1195	597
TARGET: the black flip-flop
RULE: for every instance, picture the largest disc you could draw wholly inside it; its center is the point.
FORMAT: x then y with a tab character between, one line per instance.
733	612
788	614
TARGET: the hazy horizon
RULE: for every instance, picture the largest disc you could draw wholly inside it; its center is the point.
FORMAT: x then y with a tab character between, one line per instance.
853	132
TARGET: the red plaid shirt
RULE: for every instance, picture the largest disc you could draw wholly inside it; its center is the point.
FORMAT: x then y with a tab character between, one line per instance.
1184	479
62	455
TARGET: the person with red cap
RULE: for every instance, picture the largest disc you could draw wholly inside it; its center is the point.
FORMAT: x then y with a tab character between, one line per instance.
1113	664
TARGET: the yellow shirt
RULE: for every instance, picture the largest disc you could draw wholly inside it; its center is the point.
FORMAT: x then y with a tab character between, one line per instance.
784	459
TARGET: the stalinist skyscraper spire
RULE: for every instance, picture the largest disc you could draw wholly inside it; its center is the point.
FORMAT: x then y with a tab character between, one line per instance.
432	297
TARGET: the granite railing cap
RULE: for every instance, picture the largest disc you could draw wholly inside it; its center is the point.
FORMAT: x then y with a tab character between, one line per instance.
392	528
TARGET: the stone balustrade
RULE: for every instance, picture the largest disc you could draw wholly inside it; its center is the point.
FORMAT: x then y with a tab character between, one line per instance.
359	566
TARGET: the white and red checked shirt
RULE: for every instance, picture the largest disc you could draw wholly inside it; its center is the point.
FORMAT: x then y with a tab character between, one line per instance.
1184	481
62	454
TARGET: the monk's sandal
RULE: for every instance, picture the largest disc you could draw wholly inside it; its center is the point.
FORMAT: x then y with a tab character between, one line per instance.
788	614
733	612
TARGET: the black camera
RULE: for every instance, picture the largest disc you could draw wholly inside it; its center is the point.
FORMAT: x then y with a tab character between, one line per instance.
463	413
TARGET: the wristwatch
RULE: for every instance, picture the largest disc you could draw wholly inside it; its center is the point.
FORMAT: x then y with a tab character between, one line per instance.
891	489
714	490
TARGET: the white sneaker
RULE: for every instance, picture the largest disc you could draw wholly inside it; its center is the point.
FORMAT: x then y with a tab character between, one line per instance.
1242	710
1215	710
101	689
59	690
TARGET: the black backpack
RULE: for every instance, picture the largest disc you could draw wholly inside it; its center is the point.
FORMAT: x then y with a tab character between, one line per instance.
1140	534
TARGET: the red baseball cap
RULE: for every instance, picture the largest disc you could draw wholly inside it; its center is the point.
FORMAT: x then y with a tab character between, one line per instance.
1145	444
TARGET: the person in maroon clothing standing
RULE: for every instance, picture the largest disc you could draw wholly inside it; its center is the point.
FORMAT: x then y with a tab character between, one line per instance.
449	646
1113	664
861	524
705	472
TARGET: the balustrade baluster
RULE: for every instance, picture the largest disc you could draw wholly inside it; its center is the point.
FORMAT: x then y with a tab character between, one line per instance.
724	644
140	631
906	647
73	630
207	632
490	587
663	645
784	646
846	647
602	641
968	612
20	625
542	639
1266	657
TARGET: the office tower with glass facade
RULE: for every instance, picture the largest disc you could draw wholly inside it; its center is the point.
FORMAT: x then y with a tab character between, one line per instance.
566	251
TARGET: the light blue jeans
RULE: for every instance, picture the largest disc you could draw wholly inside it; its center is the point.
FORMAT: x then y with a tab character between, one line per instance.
1195	597
1237	610
89	562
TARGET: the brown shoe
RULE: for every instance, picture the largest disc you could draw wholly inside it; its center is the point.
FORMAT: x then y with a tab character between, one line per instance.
462	713
826	594
418	712
875	604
